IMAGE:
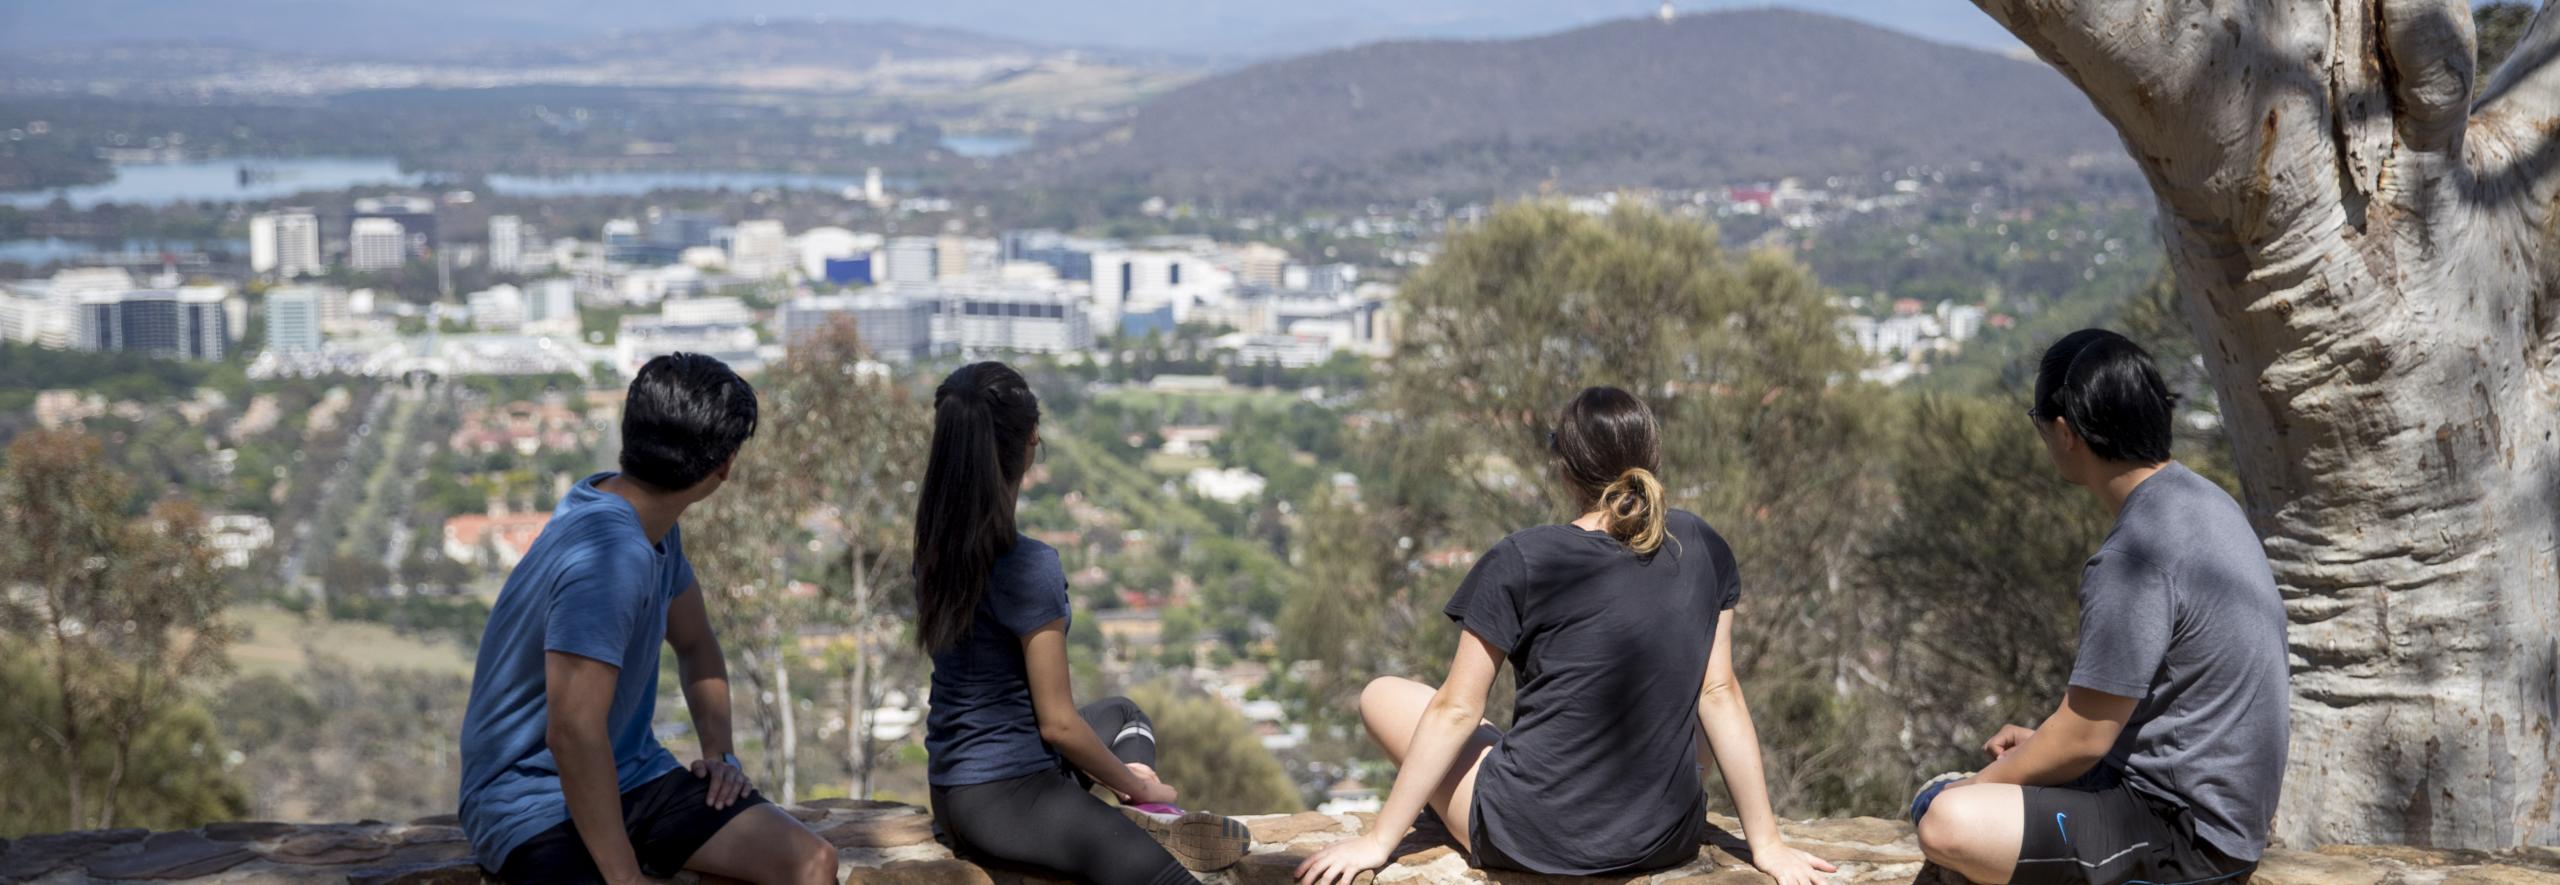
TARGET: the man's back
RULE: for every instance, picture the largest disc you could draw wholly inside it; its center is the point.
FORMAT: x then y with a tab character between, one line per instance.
2180	610
592	586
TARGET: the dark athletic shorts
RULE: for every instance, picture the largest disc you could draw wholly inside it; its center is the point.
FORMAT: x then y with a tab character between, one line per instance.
668	820
2111	835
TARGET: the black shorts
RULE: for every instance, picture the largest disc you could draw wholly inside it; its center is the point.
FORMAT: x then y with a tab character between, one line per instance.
668	819
2111	835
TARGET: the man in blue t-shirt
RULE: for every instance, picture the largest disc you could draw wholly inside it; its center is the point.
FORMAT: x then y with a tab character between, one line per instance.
562	779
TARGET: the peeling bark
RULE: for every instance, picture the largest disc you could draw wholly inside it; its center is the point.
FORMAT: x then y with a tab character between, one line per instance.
2367	261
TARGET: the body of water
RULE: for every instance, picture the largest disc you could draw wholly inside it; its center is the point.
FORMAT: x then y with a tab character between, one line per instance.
984	146
51	250
226	181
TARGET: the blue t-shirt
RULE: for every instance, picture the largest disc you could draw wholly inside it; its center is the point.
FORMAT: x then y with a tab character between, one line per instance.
982	726
592	586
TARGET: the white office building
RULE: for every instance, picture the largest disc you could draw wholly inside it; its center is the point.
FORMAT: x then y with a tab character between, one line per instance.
643	338
718	310
295	319
894	327
1027	322
376	244
907	260
1141	281
506	243
964	258
551	308
285	243
760	250
819	245
499	308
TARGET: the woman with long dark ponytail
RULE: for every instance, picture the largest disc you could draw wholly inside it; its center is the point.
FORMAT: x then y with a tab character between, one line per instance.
1012	758
1615	627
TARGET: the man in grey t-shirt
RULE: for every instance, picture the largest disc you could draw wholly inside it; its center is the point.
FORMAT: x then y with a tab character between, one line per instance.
2163	762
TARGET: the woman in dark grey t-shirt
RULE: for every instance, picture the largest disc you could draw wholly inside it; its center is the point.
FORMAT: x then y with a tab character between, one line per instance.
1614	626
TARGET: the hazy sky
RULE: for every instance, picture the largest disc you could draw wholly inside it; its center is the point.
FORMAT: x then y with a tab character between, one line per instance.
1228	28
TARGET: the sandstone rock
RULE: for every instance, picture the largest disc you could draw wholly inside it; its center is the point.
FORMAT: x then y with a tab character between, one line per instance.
882	842
2289	867
886	832
247	831
2501	874
804	814
462	871
180	855
330	846
1857	839
438	820
921	872
845	804
1281	830
35	856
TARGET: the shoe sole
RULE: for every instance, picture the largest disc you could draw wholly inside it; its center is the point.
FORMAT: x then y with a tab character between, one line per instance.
1201	841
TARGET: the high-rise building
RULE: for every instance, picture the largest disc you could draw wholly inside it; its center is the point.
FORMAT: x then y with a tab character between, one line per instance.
908	260
551	308
18	317
1031	322
499	308
718	310
678	231
416	215
822	246
376	244
1260	265
961	258
285	243
295	316
506	243
894	327
760	250
188	323
1071	257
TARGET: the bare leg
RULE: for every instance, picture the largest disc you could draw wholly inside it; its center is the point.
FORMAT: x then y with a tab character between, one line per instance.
767	846
1392	708
1976	831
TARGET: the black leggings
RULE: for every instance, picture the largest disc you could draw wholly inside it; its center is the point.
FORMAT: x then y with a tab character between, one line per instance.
1049	821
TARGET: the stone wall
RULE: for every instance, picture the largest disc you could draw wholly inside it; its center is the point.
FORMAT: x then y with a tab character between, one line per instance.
890	843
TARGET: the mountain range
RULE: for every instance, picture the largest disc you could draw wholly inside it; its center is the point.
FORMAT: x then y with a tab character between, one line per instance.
1232	29
1734	96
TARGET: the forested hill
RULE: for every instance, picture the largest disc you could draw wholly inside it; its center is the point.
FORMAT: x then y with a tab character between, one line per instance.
1708	98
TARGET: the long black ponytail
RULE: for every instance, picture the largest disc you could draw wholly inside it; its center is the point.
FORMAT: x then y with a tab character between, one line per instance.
984	416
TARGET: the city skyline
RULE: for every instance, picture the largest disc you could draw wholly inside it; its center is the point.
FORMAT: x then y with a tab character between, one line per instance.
1221	33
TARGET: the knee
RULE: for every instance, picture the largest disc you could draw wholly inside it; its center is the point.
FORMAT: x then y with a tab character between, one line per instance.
1945	832
1121	703
1381	691
817	863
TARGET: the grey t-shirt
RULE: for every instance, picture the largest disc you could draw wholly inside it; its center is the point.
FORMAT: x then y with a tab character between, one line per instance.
1598	775
2179	610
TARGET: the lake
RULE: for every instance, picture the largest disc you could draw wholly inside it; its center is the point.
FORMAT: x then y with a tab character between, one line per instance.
224	181
51	250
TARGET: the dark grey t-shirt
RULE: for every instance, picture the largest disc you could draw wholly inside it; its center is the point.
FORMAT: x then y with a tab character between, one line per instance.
1599	770
980	726
2180	611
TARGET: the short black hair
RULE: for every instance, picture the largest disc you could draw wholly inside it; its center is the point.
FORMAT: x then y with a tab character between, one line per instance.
686	415
2105	388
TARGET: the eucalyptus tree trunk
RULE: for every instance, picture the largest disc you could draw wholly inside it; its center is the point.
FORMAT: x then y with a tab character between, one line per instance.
2365	260
790	731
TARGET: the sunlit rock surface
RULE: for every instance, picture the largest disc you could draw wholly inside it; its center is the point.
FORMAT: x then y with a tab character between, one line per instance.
891	843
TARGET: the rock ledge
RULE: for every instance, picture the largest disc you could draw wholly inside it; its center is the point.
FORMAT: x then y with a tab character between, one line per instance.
881	842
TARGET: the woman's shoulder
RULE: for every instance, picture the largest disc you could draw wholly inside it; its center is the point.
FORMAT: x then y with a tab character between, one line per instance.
1030	565
1684	524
